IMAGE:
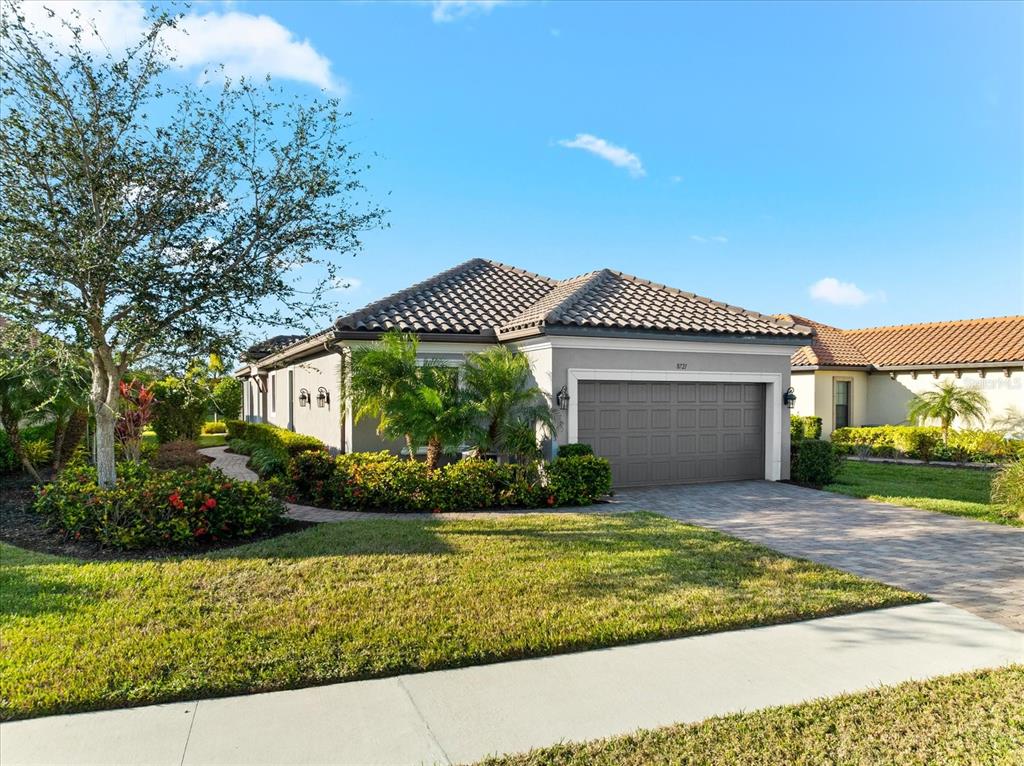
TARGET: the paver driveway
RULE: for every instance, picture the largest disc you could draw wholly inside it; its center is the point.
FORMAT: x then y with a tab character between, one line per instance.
974	565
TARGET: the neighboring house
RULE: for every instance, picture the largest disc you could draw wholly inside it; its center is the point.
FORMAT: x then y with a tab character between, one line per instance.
868	377
669	386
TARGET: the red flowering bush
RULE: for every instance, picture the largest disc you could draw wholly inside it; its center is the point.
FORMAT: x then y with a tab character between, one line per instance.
156	509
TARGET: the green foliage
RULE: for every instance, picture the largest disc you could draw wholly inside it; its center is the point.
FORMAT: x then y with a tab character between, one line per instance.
215	427
1008	489
270	448
946	403
33	434
508	408
236	429
227	397
575	450
814	462
38	451
804	427
383	481
578	480
924	443
180	409
148	508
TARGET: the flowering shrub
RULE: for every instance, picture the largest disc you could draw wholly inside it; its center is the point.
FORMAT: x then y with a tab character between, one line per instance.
149	508
382	481
137	403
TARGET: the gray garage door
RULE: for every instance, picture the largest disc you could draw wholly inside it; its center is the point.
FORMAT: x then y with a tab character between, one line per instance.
674	433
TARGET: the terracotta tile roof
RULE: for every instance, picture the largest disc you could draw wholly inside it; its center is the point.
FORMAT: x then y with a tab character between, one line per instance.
611	299
967	341
830	347
472	298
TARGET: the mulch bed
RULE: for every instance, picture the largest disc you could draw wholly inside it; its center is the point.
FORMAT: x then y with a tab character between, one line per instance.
21	526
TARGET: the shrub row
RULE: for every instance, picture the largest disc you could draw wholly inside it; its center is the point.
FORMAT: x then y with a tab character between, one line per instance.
269	448
1008	489
804	427
925	443
149	508
382	481
215	427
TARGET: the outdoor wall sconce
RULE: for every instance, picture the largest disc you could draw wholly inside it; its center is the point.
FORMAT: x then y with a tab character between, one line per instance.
303	397
323	398
789	398
562	398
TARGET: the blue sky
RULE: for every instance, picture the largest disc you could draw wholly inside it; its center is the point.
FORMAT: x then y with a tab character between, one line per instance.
744	152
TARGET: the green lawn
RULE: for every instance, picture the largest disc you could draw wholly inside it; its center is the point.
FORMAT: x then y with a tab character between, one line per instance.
958	491
973	718
212	440
377	597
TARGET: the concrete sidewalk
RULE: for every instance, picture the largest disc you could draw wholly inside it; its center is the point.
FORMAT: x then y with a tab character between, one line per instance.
457	716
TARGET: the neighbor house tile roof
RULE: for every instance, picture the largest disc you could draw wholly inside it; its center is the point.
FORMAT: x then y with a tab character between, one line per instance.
968	341
613	300
473	298
270	346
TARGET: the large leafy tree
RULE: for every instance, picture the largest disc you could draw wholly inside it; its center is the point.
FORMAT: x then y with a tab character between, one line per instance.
141	217
508	405
946	403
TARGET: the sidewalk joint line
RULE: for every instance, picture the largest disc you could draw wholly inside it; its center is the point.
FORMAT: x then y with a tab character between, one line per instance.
426	724
188	736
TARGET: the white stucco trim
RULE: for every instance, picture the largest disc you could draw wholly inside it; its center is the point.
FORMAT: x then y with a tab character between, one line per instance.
650	344
773	409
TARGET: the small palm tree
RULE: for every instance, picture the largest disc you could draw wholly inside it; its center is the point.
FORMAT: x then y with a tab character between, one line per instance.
507	405
947	403
383	375
436	412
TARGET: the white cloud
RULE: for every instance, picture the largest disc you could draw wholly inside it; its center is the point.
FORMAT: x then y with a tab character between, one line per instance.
712	238
831	290
675	179
246	44
451	10
617	155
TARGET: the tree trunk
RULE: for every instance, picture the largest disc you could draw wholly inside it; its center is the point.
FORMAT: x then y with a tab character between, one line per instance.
105	397
78	421
433	453
13	430
409	447
60	432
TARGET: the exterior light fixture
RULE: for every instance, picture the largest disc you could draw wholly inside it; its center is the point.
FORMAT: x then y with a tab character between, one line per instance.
789	398
303	397
562	398
323	398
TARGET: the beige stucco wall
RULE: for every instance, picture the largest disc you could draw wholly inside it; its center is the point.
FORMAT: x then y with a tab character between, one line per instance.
888	398
824	387
803	387
325	423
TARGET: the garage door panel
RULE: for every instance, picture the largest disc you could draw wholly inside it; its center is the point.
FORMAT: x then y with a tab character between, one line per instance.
662	433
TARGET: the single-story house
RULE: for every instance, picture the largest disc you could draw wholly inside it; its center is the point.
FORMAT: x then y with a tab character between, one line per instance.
868	377
669	386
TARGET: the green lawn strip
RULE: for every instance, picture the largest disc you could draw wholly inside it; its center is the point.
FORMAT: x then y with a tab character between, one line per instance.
957	491
972	718
212	440
379	597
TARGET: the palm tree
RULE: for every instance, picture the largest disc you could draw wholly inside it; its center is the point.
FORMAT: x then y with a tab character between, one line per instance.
437	412
507	404
947	403
384	376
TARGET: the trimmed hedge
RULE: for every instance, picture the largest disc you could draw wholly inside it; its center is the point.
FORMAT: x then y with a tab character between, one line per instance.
382	481
813	462
148	508
925	443
575	450
215	427
804	427
269	448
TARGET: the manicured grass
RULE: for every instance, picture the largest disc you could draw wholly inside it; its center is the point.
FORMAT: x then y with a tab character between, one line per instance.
212	440
973	718
957	491
377	597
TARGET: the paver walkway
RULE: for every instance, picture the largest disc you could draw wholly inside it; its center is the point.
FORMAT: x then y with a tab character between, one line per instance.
975	565
459	716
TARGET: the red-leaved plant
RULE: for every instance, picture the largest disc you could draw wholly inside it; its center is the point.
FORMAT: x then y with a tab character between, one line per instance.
136	413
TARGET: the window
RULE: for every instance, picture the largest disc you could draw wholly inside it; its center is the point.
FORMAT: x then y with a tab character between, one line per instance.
841	402
273	392
249	387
